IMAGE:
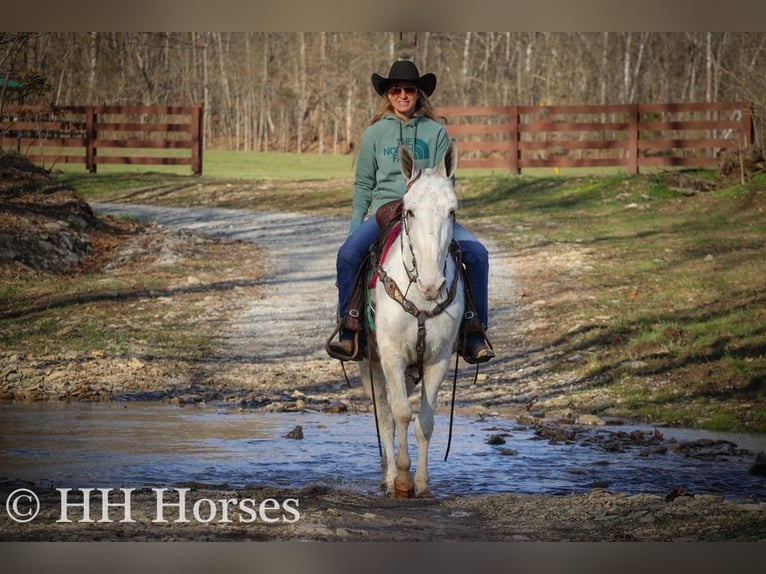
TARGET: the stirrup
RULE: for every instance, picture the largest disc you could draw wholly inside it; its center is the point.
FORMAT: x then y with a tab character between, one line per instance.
344	350
474	355
480	351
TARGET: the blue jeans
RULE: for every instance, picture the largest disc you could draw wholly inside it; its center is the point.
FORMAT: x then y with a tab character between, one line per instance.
355	248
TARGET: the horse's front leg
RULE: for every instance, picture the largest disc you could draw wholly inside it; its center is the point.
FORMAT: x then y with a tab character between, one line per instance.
424	424
385	425
374	384
402	413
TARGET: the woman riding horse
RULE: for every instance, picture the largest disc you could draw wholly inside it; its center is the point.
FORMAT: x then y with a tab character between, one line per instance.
405	117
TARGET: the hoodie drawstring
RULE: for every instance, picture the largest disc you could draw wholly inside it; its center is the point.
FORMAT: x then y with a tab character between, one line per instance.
414	139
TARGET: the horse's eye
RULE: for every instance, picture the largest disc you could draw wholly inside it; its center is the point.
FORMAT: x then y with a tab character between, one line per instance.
452	214
409	213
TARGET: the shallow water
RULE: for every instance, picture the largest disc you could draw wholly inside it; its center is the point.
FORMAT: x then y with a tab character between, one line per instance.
121	445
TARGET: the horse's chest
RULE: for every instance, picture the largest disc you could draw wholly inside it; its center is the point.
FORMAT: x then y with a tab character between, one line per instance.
398	323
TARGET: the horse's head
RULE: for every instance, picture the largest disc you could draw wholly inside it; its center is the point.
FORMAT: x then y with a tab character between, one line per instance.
429	213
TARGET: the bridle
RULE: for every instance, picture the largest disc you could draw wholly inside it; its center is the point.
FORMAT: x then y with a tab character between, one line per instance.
412	274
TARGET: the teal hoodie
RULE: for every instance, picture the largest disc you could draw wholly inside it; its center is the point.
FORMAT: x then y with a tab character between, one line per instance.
378	178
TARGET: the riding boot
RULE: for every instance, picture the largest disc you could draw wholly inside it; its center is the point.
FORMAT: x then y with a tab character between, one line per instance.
475	346
350	346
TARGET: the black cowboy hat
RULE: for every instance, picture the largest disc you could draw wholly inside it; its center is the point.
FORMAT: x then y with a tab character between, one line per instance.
404	71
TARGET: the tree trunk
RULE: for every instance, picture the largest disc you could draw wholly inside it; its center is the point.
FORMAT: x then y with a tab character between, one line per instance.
424	50
321	88
226	112
626	68
302	91
604	71
92	67
206	88
637	67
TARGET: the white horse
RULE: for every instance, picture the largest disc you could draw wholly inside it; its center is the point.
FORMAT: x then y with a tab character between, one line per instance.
419	302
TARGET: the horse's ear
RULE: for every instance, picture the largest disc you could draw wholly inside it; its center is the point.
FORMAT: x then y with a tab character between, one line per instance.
449	161
409	168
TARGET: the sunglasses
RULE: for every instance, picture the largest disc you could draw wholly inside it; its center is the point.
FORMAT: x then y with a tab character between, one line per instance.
396	90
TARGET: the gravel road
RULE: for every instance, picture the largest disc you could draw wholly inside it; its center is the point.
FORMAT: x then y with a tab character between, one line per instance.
285	331
300	283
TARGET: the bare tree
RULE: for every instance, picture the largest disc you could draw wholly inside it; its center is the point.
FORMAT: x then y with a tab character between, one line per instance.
12	44
271	90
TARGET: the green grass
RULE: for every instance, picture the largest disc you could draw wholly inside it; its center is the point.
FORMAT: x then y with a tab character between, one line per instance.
240	165
7	292
675	282
678	283
233	172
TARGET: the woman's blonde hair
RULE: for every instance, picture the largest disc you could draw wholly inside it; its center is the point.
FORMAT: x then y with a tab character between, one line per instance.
423	107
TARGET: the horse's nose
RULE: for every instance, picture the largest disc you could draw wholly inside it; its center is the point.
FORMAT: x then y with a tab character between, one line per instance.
432	291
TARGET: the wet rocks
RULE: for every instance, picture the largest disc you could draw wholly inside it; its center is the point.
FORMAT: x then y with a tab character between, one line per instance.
335	407
556	434
495	439
705	449
620	441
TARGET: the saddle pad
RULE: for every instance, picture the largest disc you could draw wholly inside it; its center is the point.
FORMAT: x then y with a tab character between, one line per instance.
393	234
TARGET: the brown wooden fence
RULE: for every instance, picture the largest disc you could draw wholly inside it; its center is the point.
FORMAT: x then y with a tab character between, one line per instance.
632	136
95	135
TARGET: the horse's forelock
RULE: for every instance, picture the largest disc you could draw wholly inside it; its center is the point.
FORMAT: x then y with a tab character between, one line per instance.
431	189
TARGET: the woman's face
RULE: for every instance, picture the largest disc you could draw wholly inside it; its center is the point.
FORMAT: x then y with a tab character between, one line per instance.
403	98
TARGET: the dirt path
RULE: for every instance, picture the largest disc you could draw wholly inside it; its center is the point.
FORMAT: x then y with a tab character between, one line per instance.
277	343
288	324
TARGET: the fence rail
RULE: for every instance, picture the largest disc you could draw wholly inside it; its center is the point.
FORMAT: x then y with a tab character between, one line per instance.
631	136
96	135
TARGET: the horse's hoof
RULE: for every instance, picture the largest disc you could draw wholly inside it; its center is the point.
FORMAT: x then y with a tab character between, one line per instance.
403	491
425	494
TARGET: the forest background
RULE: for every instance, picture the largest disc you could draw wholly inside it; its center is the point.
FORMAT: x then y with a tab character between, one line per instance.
311	91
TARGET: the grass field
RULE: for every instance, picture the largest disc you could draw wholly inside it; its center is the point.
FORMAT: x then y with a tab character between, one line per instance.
239	165
221	164
676	308
673	321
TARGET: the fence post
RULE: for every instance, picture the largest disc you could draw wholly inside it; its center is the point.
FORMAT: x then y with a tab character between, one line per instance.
747	130
633	132
90	139
513	134
197	139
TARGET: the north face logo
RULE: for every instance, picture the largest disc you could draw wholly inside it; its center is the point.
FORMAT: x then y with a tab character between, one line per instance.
419	149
